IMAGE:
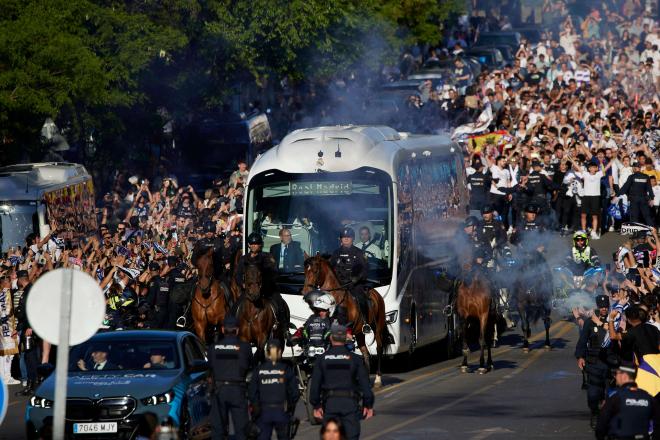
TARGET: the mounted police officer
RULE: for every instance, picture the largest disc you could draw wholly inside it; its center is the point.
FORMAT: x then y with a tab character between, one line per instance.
340	385
582	256
217	243
629	411
537	187
273	393
492	230
473	243
592	353
352	268
268	267
230	360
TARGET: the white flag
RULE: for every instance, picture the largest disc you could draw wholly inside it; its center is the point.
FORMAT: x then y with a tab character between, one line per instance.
481	124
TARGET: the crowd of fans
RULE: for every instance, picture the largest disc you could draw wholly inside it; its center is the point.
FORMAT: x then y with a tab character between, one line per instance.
141	257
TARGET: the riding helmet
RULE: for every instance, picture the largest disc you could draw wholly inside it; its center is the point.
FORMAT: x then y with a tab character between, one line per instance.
325	302
602	301
347	232
255	238
581	234
487	209
471	221
533	208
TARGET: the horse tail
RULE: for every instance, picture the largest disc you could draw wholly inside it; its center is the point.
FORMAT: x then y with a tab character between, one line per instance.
381	324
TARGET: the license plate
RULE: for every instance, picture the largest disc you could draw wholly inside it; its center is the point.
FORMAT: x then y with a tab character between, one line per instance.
94	428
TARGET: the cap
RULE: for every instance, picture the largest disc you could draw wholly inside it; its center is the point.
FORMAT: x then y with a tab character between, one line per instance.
22	274
255	238
230	322
209	227
172	260
338	332
536	163
635	165
154	266
347	232
486	209
532	208
476	164
627	367
470	221
273	342
602	301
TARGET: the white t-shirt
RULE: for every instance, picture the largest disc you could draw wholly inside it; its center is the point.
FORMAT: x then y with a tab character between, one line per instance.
504	179
591	182
656	195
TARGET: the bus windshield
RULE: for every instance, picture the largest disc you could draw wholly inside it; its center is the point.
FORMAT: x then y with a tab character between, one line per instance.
313	208
18	220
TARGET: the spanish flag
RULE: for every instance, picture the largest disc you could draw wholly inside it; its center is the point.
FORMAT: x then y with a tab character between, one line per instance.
648	374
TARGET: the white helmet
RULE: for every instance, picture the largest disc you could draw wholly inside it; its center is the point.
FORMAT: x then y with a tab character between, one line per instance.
325	302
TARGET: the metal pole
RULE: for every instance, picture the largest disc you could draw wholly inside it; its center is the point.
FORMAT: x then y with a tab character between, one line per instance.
62	366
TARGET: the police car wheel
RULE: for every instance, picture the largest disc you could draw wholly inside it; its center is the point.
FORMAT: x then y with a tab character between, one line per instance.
184	424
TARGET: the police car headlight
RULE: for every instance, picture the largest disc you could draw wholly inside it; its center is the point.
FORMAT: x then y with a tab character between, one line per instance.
157	399
390	317
40	402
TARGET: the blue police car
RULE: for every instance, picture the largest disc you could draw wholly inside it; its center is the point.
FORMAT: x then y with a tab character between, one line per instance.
117	377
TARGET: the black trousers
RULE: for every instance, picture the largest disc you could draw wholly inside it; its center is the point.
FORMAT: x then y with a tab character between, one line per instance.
229	399
640	212
275	419
161	317
597	377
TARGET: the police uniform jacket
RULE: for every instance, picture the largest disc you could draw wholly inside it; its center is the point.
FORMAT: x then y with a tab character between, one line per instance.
338	380
316	330
627	414
538	185
263	259
274	385
230	360
637	187
350	263
493	232
479	189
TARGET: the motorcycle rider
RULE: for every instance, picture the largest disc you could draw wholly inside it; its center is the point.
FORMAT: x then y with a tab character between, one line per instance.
582	256
316	330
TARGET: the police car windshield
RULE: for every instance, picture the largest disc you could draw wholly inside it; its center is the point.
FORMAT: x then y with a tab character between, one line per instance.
313	208
115	355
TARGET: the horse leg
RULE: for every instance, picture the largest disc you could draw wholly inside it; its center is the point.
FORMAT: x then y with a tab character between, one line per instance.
360	339
483	324
489	362
546	323
466	349
200	329
378	382
524	324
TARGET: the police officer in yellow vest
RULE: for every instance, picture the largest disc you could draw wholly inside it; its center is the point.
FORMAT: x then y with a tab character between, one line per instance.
582	256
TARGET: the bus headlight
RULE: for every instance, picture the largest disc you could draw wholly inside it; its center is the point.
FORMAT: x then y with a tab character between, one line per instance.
390	317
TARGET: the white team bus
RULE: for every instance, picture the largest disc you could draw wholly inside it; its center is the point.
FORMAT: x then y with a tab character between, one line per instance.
406	193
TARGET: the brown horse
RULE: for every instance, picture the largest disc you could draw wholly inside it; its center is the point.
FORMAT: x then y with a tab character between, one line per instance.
257	315
473	301
211	299
533	301
319	275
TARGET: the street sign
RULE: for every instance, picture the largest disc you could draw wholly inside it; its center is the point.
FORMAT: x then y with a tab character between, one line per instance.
58	299
4	399
45	301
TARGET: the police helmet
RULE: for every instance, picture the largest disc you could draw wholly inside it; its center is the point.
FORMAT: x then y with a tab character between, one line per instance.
255	238
487	209
471	221
325	302
533	208
581	235
311	296
347	232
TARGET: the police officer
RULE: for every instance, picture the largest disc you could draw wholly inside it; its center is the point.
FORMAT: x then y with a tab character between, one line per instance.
180	294
340	385
230	360
351	267
273	393
537	187
215	242
627	413
640	195
160	287
150	292
592	352
582	256
266	263
472	241
492	230
528	235
479	186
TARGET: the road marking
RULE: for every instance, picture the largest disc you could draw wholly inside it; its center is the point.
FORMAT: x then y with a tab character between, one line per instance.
535	356
497	351
489	432
562	326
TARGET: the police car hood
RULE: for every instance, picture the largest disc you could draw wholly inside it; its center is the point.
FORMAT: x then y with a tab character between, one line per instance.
139	384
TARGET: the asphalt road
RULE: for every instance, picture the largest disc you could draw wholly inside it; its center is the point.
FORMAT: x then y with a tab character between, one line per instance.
527	396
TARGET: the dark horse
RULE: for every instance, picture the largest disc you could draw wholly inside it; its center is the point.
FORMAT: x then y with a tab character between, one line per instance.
257	315
533	296
211	300
473	302
319	274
